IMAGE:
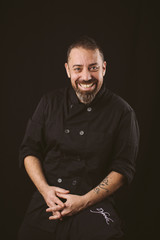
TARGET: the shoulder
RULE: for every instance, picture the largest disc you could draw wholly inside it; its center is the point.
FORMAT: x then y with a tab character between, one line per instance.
54	97
54	94
117	102
51	100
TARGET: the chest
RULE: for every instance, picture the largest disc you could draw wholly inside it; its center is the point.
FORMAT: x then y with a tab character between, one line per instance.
81	129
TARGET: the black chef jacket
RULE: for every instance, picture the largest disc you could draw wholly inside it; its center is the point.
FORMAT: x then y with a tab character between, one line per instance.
78	144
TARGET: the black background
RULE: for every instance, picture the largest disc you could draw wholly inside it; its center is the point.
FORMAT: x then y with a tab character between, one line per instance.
35	37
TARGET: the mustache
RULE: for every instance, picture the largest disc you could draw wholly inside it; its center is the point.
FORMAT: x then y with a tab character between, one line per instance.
93	80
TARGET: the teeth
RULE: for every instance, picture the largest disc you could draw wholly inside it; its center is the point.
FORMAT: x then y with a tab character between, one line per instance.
86	85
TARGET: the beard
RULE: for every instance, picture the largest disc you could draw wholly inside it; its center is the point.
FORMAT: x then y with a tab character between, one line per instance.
86	97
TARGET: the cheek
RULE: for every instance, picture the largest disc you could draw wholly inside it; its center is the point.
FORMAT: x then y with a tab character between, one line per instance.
73	79
98	76
101	75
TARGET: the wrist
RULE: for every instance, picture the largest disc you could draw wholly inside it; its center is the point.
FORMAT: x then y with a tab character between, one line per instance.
44	189
87	200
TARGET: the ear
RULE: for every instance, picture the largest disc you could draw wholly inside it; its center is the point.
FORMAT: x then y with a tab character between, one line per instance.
104	68
67	69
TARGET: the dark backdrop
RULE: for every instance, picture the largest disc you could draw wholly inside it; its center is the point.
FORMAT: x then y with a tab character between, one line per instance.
35	37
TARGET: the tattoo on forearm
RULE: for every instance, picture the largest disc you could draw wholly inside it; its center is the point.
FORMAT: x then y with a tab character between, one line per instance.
103	185
96	189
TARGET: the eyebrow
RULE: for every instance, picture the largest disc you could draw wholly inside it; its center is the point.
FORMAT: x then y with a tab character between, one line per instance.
79	65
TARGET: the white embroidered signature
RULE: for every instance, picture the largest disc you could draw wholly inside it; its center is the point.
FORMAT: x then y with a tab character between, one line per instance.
105	214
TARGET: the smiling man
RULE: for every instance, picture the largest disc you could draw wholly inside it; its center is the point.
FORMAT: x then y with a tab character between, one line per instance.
79	148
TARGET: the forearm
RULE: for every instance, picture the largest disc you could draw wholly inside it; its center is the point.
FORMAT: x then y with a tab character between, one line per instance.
35	172
49	193
76	203
107	187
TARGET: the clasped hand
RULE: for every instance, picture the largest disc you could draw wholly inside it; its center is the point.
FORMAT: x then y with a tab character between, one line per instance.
72	205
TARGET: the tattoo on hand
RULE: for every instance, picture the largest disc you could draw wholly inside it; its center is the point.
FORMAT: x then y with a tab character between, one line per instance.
102	185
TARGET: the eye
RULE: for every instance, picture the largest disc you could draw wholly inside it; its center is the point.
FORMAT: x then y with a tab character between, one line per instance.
94	68
77	69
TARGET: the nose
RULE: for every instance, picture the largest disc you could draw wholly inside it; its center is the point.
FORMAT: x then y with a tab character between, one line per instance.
86	75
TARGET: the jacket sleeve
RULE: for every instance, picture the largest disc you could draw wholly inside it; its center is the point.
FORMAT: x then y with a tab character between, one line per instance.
33	141
126	146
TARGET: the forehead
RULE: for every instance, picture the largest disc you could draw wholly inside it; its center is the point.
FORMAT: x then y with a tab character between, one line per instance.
84	56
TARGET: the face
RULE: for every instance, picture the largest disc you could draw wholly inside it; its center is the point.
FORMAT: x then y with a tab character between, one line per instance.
86	70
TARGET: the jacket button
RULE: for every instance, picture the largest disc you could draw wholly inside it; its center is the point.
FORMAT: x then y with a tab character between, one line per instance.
67	131
89	109
81	133
74	182
59	180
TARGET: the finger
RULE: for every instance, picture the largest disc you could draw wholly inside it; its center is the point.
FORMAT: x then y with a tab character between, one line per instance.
53	209
51	204
55	216
65	212
59	202
49	209
56	213
62	195
61	190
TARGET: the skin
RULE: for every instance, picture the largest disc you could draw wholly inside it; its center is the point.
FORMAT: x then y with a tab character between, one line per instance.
84	66
76	203
49	193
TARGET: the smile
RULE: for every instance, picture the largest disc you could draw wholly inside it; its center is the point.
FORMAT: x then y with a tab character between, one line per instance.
87	86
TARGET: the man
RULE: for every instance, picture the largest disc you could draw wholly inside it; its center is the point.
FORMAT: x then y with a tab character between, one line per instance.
79	148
